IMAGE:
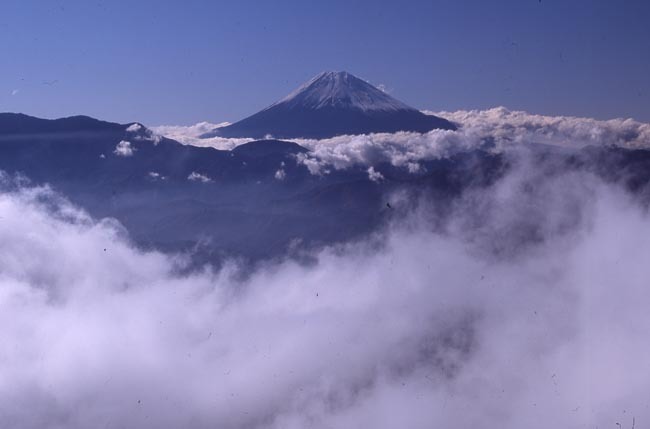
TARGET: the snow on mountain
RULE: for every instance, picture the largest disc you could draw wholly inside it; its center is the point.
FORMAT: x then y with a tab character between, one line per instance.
341	90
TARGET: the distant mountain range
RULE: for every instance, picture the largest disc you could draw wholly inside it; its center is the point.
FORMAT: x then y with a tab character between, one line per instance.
332	104
18	123
254	202
258	200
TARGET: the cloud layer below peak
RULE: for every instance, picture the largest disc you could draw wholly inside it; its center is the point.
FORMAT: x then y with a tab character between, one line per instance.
473	326
495	129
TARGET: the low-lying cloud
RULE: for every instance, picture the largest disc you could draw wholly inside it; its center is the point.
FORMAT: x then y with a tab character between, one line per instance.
191	135
124	148
516	127
198	177
527	309
495	129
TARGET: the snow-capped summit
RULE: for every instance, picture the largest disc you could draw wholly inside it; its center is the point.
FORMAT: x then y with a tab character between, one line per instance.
331	104
341	90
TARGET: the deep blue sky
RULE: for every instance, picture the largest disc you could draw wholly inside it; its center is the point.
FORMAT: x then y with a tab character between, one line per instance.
180	62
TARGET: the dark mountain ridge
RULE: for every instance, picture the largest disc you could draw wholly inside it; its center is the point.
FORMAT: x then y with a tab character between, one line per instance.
19	123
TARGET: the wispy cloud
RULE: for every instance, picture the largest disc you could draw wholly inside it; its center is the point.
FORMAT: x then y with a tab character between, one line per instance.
198	177
190	135
374	175
155	176
124	148
280	174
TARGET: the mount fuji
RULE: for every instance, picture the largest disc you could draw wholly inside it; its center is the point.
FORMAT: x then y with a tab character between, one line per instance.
332	104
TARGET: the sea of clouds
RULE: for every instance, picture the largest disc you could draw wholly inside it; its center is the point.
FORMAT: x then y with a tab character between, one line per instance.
495	129
528	309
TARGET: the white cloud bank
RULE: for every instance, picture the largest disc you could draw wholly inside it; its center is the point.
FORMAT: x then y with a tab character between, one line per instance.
508	126
190	135
424	330
497	128
494	129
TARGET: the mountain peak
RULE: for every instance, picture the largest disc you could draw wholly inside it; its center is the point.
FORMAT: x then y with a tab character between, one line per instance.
340	89
333	103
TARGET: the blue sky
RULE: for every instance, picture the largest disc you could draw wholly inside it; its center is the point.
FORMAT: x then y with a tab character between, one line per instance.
173	62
